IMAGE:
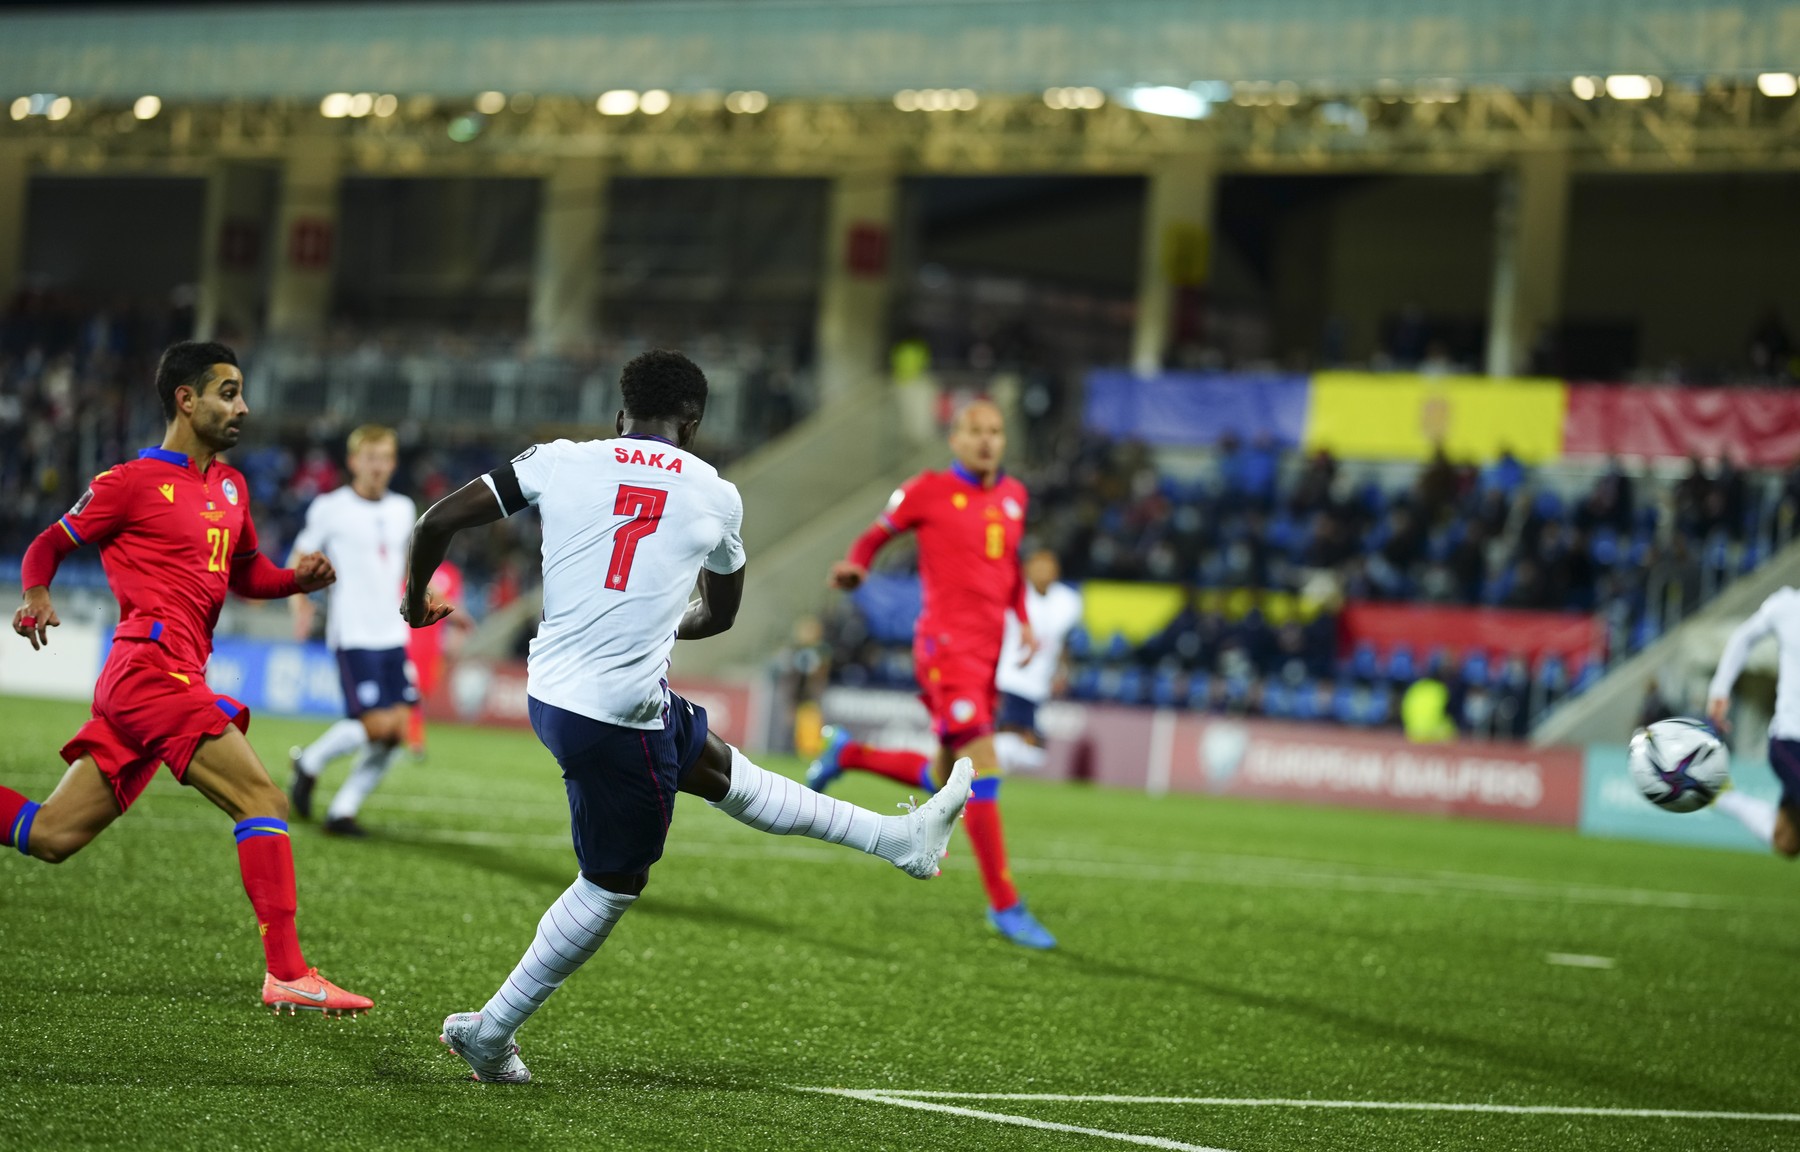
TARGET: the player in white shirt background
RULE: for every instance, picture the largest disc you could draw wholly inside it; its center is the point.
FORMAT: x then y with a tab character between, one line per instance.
1024	685
1777	825
629	525
364	529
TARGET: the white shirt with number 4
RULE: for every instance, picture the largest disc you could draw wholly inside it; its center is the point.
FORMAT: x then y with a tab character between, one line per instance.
628	524
365	540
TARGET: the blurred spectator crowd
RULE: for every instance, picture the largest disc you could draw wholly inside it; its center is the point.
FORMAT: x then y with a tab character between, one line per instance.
1270	544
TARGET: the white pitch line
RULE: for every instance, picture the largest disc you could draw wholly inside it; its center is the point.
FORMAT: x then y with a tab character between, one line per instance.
1379	1105
1577	960
1016	1121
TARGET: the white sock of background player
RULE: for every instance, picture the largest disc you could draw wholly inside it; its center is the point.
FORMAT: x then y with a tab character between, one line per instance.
371	765
1017	754
1756	815
772	803
341	739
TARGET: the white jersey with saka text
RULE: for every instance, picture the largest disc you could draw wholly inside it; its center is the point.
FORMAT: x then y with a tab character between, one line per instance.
628	524
365	540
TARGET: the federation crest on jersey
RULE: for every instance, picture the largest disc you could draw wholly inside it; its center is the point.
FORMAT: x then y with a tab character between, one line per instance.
1013	510
959	501
230	490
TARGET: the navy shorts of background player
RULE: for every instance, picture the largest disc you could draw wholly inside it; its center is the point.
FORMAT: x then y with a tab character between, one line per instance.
1017	713
375	678
1784	757
621	781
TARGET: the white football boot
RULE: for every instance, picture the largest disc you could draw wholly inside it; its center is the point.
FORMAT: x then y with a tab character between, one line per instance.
929	824
499	1064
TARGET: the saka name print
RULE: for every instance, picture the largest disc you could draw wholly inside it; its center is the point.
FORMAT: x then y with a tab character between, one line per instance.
648	459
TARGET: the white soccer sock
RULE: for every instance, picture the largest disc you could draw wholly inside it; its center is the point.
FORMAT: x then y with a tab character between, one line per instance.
1756	815
371	765
568	935
772	803
1017	754
341	739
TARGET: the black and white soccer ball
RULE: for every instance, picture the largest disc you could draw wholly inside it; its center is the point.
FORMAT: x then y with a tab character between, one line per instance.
1679	765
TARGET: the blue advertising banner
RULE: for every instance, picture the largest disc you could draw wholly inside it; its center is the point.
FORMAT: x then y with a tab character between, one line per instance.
277	677
1611	805
1197	408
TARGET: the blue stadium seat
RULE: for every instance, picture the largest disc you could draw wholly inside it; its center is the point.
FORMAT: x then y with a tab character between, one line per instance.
1079	645
1752	558
1085	683
1605	548
1589	676
1199	691
1364	664
1118	648
1381	705
1401	667
1475	667
1553	674
1306	700
1131	686
1344	704
1278	700
1166	689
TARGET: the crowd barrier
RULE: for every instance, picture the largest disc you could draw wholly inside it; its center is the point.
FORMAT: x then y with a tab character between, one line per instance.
1404	416
1166	750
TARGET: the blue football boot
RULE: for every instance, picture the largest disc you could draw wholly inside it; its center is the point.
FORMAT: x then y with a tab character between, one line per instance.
825	769
1021	927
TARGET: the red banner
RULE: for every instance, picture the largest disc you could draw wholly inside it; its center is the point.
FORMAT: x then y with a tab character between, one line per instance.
1324	765
1754	427
1508	631
481	693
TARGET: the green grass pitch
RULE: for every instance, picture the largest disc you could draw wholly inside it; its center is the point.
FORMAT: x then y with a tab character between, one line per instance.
1211	949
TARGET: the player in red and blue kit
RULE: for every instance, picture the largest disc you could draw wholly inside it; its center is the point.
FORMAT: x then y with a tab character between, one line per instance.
175	534
968	520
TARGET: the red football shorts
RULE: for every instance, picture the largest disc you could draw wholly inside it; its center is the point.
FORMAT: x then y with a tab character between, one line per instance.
147	711
957	685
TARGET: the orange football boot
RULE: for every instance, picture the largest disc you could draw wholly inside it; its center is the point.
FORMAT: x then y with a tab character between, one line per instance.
312	993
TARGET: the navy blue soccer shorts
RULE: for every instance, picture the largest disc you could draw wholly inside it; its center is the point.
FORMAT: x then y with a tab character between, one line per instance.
1784	757
621	781
1017	712
375	678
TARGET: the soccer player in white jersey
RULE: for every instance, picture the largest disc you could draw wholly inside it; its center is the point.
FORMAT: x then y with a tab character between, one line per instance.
1775	825
363	528
1054	609
629	524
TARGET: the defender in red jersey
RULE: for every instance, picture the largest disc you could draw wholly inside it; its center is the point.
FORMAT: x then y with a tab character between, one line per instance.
175	534
968	519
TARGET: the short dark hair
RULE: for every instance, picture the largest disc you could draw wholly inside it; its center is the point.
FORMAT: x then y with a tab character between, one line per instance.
185	365
663	385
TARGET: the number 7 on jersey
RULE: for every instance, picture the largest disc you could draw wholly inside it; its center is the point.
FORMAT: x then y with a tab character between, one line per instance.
645	507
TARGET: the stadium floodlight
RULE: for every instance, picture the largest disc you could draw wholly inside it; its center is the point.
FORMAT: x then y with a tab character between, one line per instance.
335	106
1166	100
21	108
1073	97
465	128
386	105
1629	87
654	102
362	104
907	100
617	102
1584	87
1777	84
60	107
490	103
147	107
747	103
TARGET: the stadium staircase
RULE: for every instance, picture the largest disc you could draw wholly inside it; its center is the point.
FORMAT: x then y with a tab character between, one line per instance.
806	496
1608	712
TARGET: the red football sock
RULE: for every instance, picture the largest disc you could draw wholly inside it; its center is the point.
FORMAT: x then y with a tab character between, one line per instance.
910	768
266	859
982	819
415	729
12	804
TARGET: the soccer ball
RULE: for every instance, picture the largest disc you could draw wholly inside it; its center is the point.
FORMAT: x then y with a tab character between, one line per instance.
1679	765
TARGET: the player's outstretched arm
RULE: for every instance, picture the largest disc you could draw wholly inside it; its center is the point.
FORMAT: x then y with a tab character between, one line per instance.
37	615
716	608
470	506
1733	659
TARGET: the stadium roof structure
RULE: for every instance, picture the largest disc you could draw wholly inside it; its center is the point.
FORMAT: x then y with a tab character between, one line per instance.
969	86
851	49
